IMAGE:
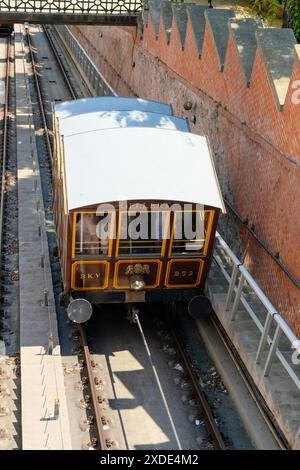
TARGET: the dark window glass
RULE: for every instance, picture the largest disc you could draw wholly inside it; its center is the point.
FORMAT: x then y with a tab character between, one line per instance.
92	234
191	232
142	233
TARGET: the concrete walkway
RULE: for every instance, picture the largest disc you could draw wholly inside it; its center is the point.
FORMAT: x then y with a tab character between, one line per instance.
45	423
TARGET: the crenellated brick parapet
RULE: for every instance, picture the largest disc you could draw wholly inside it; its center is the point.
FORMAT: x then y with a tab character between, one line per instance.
243	83
236	61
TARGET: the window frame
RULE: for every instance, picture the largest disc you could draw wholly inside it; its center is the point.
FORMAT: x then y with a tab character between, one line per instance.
110	244
164	239
194	254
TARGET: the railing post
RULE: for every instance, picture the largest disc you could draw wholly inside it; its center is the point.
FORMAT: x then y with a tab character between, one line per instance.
263	338
272	351
231	287
237	297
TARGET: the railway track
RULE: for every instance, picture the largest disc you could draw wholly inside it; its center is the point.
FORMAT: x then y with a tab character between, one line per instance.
4	143
60	64
92	399
102	435
101	438
4	410
202	402
257	398
46	132
9	274
102	441
191	376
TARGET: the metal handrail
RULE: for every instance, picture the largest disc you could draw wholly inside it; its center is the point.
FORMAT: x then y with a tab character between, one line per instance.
235	296
235	293
81	59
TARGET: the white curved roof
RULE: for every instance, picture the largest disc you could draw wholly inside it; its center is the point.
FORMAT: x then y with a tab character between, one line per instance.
113	119
139	163
111	103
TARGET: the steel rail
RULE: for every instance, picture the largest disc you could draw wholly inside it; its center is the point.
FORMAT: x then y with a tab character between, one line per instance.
40	100
59	62
209	420
4	145
208	417
101	441
69	58
201	399
94	397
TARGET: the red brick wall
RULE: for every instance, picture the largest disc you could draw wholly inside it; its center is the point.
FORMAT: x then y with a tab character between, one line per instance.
250	137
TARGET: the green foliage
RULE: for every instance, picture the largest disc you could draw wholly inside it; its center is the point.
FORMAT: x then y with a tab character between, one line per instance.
269	9
257	6
272	10
293	11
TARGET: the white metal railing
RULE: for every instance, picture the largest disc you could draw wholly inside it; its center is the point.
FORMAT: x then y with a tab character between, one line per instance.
239	279
89	69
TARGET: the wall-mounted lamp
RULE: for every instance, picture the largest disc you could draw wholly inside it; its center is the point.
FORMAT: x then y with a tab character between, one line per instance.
188	105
